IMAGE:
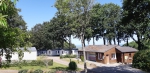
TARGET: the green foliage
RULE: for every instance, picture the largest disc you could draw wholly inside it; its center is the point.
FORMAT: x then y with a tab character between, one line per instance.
50	63
38	71
68	56
72	65
135	45
132	44
52	71
28	63
82	58
136	21
47	36
23	71
141	60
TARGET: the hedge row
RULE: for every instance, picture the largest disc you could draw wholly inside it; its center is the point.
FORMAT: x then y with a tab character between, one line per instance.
68	56
141	60
50	71
28	63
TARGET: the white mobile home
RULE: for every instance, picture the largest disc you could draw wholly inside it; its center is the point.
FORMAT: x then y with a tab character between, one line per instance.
31	54
61	52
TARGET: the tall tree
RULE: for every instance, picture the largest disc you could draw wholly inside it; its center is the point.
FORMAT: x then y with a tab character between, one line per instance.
16	36
80	11
136	20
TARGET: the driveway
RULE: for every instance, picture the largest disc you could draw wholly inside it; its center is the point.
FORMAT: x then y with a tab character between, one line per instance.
103	68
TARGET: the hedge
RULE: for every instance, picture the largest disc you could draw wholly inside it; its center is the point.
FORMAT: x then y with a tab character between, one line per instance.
68	56
27	63
141	60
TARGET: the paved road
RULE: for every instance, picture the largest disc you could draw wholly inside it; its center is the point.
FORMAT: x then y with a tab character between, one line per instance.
101	68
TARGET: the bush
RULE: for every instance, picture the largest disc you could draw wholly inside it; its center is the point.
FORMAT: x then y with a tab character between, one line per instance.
23	71
61	56
141	60
28	63
68	56
82	58
38	71
72	65
50	63
52	71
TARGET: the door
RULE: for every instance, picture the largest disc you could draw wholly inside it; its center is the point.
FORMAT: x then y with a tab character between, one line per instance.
107	59
118	55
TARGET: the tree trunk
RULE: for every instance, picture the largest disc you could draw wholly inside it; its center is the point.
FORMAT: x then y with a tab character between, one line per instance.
83	45
109	40
62	43
127	42
70	44
114	41
93	41
139	42
53	43
84	42
104	40
118	41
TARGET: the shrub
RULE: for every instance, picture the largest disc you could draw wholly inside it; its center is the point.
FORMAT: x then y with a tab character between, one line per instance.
52	71
23	71
68	56
50	63
82	58
38	71
61	56
72	65
141	60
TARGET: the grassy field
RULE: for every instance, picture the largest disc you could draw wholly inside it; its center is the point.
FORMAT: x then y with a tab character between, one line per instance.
55	66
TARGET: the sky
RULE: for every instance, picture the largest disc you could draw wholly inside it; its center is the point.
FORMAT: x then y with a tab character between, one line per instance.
38	11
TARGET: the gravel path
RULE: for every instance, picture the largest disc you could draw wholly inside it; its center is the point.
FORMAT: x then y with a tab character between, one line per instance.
8	71
58	60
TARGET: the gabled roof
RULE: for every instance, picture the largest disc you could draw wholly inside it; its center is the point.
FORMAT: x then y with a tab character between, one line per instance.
30	49
126	49
98	48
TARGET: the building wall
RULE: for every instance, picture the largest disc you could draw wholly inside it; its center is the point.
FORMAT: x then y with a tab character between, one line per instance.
27	56
109	53
30	55
98	60
128	59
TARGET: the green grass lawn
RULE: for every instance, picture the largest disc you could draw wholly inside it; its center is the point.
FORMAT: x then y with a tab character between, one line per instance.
55	66
80	62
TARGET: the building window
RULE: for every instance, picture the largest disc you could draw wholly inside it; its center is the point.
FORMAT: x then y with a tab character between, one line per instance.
113	56
62	52
100	56
58	51
49	52
129	54
130	57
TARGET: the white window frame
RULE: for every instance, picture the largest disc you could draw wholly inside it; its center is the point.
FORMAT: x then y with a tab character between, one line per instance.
113	56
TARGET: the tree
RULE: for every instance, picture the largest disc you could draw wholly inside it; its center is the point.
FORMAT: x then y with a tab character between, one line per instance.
136	20
80	11
16	36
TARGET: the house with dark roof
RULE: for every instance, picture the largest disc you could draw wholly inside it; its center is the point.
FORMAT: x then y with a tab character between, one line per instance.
108	54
